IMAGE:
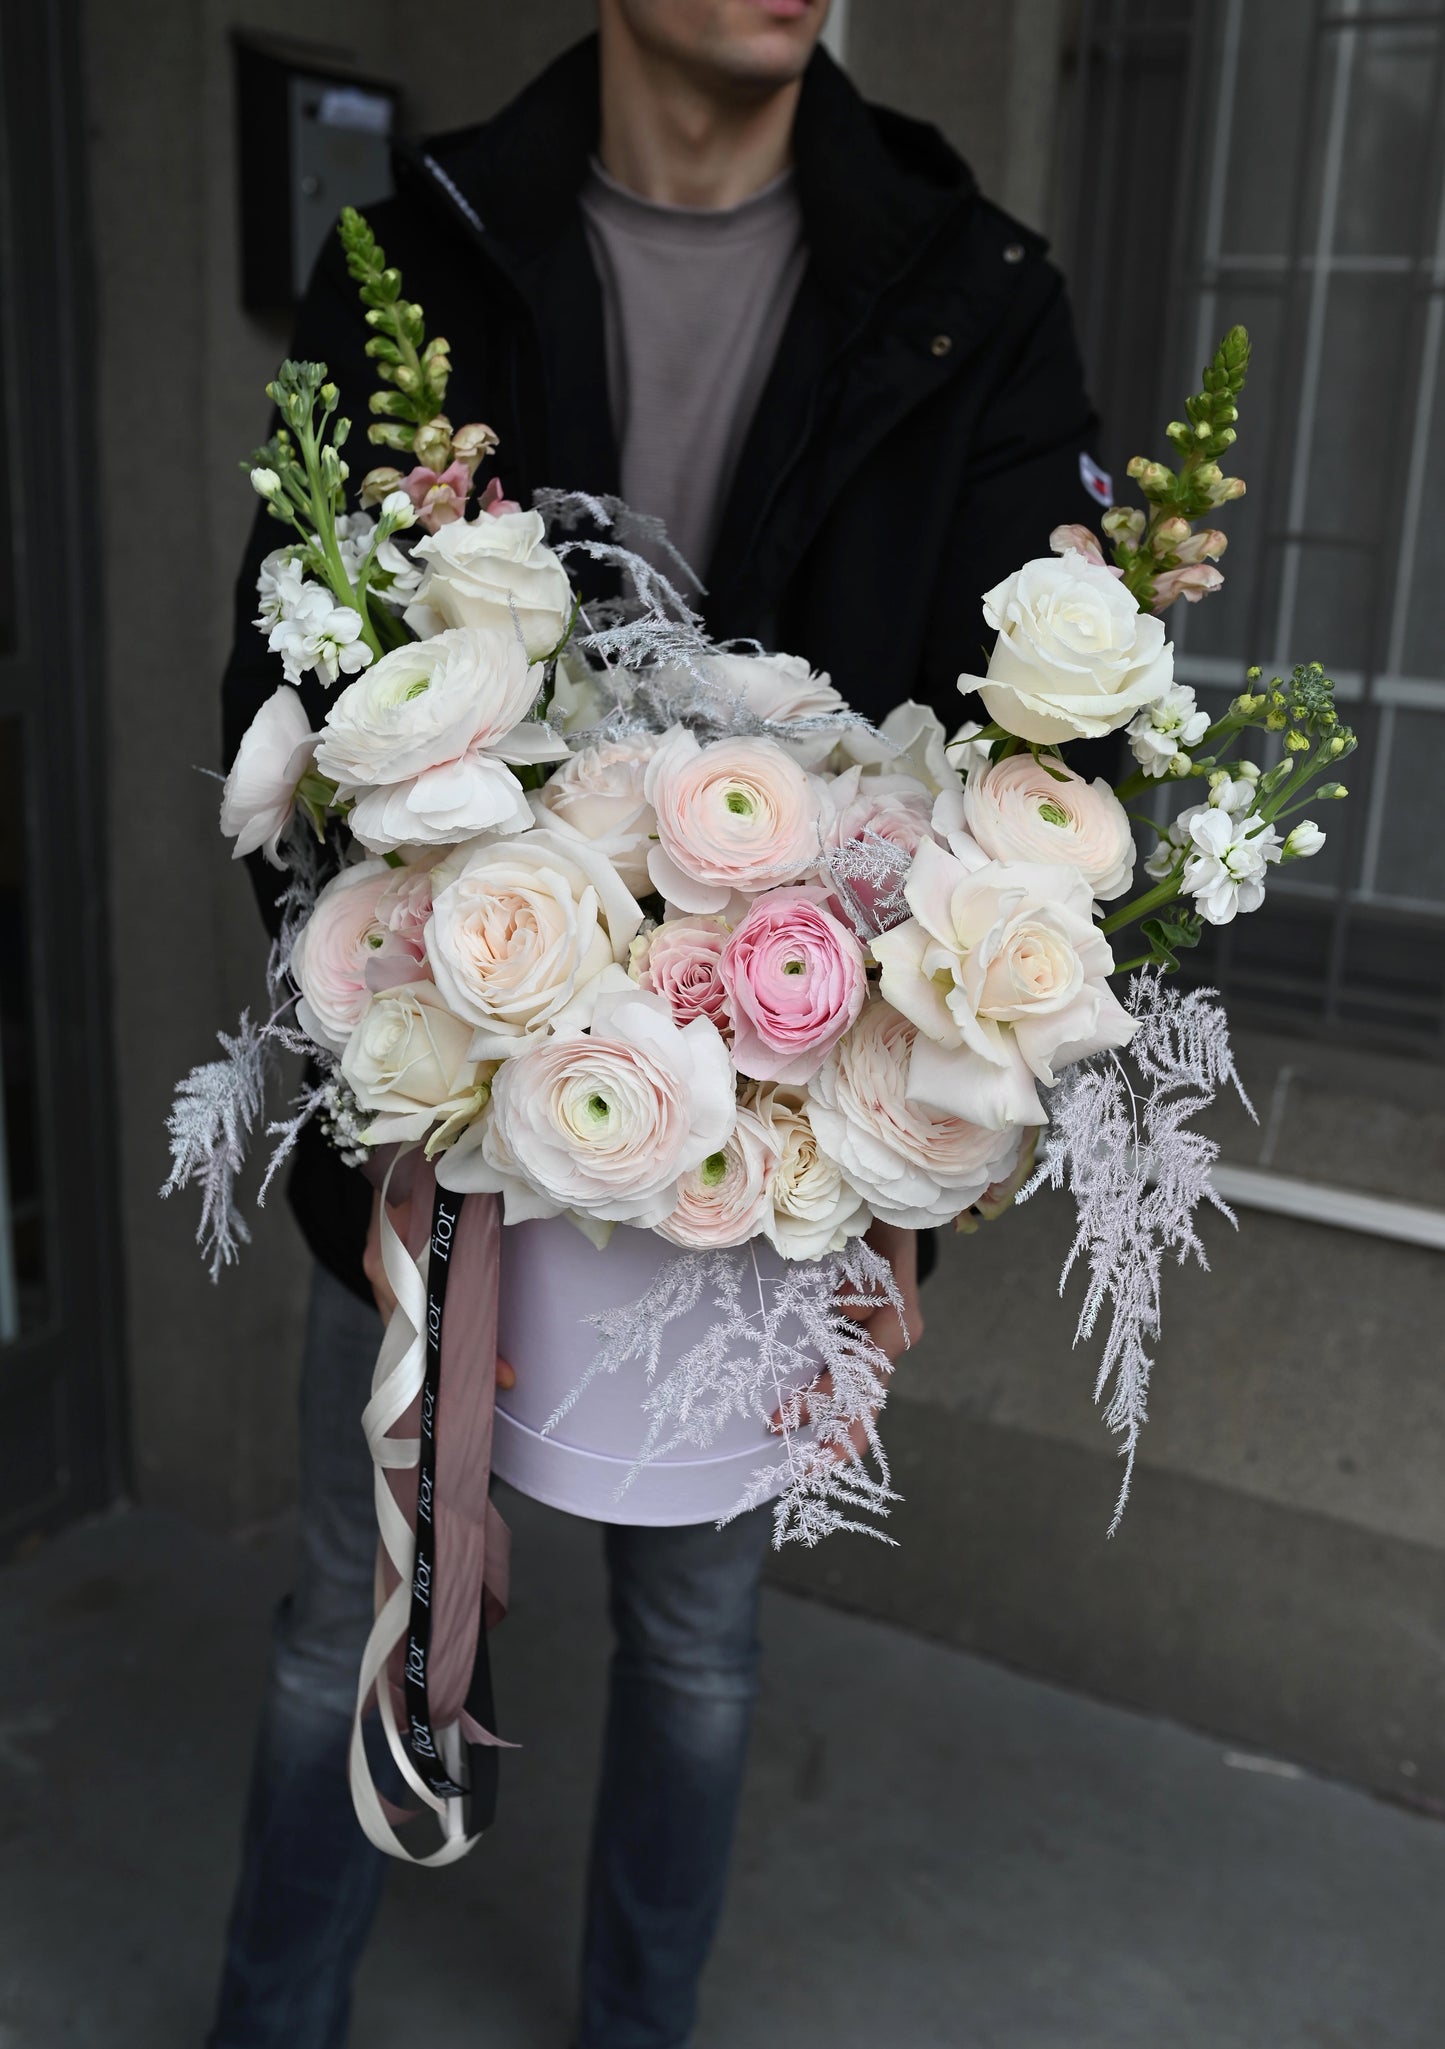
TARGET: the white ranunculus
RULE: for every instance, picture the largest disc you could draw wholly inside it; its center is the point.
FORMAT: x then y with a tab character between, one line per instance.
598	793
495	570
1024	808
408	1063
260	793
911	741
426	740
521	929
1005	974
814	1210
916	1166
604	1123
1075	657
724	1200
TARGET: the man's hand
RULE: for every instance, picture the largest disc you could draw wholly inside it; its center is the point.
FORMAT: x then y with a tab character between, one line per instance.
889	1332
376	1273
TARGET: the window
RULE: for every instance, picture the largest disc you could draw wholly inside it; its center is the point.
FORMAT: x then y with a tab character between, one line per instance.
1284	165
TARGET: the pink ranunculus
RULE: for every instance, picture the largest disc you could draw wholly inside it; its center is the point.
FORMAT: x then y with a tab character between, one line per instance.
738	815
679	961
334	951
402	912
1024	808
726	1200
1192	581
439	497
795	981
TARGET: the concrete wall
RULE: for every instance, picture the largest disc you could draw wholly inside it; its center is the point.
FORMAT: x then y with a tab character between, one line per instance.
181	371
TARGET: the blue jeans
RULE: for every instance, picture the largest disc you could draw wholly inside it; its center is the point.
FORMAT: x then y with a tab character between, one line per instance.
684	1674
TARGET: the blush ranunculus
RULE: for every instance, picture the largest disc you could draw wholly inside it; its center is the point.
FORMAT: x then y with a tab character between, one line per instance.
260	793
604	1122
726	1199
737	815
335	949
795	980
679	962
520	931
1025	809
915	1166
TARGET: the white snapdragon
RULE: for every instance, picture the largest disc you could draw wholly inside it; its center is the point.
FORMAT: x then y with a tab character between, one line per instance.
317	633
1163	732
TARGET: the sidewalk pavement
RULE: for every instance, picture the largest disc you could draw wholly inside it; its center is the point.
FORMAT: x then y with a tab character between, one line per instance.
935	1853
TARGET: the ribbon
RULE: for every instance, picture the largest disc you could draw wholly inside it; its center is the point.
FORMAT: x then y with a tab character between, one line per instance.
442	1560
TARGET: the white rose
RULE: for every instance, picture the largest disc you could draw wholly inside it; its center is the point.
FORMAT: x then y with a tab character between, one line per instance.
408	1062
495	570
521	930
603	1123
1026	809
425	740
260	793
1074	658
598	793
813	1210
916	1166
1005	974
725	1200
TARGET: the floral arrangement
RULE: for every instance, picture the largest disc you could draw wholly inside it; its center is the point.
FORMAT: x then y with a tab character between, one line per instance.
646	932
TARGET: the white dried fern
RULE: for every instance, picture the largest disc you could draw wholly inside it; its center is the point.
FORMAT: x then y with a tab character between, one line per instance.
1137	1176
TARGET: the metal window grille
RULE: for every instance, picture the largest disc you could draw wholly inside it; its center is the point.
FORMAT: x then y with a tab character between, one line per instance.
1284	165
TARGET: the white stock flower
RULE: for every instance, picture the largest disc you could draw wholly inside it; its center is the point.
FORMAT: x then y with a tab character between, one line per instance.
314	632
916	1166
598	793
1005	974
521	929
279	584
813	1210
260	792
354	534
1164	731
494	570
1027	809
425	742
1225	865
603	1123
725	1200
1304	839
1075	657
407	1062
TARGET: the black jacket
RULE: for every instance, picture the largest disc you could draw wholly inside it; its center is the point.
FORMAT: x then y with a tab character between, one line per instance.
919	434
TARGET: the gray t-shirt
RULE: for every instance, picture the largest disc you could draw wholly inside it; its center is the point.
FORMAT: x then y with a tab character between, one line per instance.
695	301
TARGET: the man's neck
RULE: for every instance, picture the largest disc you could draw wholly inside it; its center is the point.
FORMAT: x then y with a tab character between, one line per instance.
667	139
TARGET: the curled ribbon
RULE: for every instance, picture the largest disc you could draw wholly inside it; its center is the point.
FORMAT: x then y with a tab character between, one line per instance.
463	1584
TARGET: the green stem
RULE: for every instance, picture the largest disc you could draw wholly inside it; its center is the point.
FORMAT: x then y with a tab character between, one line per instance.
323	519
1153	900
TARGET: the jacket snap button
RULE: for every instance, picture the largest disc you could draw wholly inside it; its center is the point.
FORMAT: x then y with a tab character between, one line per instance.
1014	253
941	344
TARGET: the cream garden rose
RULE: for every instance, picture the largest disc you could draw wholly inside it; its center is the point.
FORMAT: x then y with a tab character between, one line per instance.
1074	658
521	929
813	1210
1004	972
426	740
409	1064
737	816
915	1166
1027	809
495	571
604	1123
599	794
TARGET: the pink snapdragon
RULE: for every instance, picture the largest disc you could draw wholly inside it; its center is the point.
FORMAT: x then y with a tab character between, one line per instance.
439	496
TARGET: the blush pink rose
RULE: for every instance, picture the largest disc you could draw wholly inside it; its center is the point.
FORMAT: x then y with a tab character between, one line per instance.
739	815
795	981
679	961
